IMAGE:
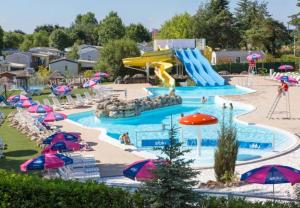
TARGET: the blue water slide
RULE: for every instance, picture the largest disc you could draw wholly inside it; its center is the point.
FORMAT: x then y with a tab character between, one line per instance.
190	69
209	70
199	68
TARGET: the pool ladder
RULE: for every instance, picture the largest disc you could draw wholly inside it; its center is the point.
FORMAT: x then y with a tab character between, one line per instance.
275	103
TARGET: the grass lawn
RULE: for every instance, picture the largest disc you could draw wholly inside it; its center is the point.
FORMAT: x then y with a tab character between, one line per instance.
20	148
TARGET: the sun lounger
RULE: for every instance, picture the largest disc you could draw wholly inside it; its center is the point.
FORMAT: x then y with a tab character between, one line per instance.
88	97
73	103
56	104
79	99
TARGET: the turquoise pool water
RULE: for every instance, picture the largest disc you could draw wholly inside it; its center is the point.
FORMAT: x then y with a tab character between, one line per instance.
147	130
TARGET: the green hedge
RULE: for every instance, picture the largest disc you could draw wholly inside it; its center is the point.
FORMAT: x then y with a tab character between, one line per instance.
18	190
239	67
25	191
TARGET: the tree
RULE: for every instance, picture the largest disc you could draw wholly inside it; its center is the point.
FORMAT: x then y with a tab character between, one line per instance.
214	22
249	15
73	53
59	39
227	150
110	28
43	74
12	39
48	28
178	27
1	39
40	39
27	43
295	21
174	181
112	54
138	33
85	28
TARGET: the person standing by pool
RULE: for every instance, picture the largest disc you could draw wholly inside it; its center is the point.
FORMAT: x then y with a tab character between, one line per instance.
124	139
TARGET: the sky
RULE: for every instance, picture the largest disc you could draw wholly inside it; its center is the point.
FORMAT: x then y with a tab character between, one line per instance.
27	14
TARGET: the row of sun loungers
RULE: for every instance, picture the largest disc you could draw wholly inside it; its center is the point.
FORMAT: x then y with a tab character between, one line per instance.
84	168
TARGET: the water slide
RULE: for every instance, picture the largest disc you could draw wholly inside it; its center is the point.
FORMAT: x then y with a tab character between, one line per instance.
190	69
198	66
159	60
207	66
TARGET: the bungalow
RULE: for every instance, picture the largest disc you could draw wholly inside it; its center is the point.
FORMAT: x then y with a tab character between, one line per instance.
225	56
64	66
88	56
44	55
19	61
19	79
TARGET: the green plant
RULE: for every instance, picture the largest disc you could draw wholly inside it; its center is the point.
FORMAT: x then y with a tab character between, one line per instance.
88	73
227	149
174	181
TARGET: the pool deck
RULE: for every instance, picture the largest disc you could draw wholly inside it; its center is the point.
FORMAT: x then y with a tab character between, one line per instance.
113	159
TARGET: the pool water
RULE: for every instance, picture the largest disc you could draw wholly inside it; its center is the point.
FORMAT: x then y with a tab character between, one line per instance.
149	129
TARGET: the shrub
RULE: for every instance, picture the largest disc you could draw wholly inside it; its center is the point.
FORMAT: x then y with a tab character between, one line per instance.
227	150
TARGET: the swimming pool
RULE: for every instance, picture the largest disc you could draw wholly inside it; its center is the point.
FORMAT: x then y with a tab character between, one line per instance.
148	130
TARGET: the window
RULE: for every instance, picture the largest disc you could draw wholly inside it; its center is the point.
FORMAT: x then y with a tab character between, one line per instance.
66	67
238	60
89	57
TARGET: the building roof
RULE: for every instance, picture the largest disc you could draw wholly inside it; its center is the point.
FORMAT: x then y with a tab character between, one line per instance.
88	49
235	53
57	75
62	59
18	74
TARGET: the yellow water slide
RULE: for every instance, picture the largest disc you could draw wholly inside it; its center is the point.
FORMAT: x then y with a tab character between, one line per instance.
160	60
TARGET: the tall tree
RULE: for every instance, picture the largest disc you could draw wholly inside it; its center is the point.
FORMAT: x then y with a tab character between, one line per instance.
48	28
110	28
174	181
40	39
27	43
138	33
249	15
1	39
215	22
85	28
295	21
59	39
179	26
113	52
12	39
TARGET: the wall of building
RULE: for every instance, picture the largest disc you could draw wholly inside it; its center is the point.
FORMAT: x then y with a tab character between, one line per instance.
64	67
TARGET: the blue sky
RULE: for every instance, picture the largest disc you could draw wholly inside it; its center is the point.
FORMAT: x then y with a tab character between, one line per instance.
27	14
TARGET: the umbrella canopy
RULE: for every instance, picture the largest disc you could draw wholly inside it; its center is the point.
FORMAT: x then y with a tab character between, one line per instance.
62	146
288	79
101	74
25	104
198	119
61	136
62	90
272	174
46	161
254	57
141	170
17	98
40	109
90	83
51	117
286	67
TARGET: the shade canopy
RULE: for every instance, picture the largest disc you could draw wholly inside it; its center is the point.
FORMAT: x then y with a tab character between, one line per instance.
25	104
90	83
40	109
101	74
141	170
46	161
62	146
52	116
61	90
198	119
17	98
254	57
61	136
272	174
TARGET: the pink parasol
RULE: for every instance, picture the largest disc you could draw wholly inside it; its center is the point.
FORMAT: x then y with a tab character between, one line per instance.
40	109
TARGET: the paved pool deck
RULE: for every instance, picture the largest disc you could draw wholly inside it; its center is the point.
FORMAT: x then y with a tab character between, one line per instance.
114	158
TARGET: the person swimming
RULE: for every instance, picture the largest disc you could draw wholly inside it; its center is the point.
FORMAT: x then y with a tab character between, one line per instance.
204	99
